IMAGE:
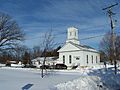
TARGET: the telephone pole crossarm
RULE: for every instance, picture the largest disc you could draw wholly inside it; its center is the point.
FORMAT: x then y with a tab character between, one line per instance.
110	6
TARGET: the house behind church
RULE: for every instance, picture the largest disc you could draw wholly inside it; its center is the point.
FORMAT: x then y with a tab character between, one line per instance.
73	53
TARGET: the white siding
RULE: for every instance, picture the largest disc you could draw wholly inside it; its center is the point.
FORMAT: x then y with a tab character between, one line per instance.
82	55
75	52
74	55
90	54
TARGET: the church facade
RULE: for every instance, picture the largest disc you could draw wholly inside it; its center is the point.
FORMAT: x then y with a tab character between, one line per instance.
74	54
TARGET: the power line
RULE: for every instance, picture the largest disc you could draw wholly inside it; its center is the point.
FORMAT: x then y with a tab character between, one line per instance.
92	37
80	39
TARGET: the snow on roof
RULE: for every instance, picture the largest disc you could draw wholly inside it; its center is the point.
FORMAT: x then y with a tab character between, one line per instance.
47	59
84	47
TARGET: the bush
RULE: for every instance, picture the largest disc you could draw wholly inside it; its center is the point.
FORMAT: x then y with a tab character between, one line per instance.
29	66
45	67
8	64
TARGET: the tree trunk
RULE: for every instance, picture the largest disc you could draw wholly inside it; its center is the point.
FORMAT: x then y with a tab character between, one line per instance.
43	66
115	66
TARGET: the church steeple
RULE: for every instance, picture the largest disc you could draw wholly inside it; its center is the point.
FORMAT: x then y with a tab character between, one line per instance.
72	35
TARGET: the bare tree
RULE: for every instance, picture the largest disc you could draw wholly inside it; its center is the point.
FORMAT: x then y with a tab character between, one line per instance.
117	44
19	52
36	51
47	45
5	56
106	48
10	33
27	58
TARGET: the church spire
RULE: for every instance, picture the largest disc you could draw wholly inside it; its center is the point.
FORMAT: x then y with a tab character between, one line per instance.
72	35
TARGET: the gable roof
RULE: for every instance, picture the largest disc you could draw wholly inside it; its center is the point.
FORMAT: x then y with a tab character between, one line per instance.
69	47
80	47
83	46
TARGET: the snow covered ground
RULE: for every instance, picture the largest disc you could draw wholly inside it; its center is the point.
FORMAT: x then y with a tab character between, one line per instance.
96	78
82	83
16	78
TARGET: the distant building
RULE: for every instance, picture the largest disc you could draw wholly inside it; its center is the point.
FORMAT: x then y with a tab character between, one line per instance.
48	61
72	53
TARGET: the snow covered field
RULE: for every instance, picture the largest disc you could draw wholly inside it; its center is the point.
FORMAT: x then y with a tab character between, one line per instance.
15	79
82	79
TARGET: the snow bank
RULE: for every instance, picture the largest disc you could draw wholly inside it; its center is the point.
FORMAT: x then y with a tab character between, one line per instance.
17	65
83	83
2	65
93	78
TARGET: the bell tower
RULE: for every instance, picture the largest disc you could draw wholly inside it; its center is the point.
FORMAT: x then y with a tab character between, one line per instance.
72	35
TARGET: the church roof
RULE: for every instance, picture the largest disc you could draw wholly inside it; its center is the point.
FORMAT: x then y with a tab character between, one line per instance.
82	47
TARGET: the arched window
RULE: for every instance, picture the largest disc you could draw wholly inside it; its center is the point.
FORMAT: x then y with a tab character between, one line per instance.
70	60
63	59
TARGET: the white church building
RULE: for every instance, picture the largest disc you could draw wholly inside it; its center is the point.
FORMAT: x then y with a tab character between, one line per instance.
72	53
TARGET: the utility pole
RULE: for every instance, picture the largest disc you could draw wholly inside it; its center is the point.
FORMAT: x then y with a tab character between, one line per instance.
113	36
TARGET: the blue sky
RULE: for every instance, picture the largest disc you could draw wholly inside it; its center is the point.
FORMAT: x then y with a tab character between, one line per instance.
35	17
